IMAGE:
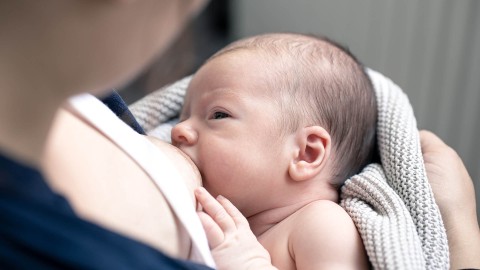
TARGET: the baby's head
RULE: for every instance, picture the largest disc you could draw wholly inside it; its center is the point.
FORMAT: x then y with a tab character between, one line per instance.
262	104
316	81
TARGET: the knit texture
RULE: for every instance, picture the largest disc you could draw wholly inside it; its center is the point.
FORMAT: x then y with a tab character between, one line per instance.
158	112
391	204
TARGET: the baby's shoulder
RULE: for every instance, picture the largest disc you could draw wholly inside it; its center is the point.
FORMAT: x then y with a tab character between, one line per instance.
324	212
324	221
324	233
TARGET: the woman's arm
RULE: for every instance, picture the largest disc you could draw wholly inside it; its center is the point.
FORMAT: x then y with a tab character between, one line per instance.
455	196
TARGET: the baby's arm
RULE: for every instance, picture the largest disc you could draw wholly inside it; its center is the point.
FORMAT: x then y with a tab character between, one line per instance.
325	237
233	244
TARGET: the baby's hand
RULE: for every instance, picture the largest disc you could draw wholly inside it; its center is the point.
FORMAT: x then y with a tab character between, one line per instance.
233	244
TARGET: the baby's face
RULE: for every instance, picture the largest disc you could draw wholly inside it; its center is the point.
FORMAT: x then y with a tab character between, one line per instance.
229	128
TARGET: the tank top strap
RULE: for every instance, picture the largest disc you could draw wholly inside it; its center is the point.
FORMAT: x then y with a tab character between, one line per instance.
146	155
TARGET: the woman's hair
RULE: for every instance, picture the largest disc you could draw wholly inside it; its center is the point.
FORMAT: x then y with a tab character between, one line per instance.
321	83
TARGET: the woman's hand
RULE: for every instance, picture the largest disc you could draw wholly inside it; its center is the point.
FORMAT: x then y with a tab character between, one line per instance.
233	244
455	196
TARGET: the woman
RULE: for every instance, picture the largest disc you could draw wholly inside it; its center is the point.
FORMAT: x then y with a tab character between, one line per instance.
51	50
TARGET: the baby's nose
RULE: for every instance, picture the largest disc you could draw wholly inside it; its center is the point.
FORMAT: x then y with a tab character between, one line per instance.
182	133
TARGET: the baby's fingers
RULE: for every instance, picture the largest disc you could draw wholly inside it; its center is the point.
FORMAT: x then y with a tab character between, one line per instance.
215	210
236	215
214	234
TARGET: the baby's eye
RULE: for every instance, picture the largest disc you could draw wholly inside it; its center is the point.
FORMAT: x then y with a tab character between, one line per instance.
220	115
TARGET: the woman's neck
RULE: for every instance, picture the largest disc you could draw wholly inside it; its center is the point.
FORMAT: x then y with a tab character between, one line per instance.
27	109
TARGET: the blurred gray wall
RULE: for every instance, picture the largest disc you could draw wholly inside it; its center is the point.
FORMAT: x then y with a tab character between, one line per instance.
430	48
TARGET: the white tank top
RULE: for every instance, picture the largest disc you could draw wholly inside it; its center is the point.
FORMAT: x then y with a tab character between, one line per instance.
146	155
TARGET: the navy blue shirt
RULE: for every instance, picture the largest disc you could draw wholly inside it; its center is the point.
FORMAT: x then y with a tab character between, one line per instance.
40	230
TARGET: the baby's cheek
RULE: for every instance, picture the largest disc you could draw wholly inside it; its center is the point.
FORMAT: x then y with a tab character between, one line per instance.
218	180
221	167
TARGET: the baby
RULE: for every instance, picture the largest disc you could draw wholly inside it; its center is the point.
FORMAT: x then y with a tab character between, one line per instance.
276	123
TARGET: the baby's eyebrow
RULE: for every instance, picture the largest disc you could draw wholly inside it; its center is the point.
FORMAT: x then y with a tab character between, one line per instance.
230	95
223	92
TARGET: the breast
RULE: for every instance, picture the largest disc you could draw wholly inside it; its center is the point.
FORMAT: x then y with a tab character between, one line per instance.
105	186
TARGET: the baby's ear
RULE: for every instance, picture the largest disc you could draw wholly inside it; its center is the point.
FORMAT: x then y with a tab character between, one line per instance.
313	151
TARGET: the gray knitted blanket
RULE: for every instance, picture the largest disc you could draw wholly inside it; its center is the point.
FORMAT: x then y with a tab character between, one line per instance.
391	204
